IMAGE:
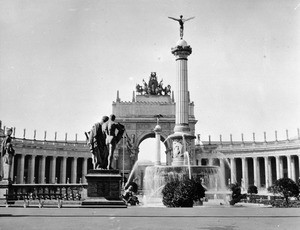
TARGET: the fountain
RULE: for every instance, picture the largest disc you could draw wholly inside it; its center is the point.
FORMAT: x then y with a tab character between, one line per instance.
182	139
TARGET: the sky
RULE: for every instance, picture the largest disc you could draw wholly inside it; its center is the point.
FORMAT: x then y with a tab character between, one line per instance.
62	62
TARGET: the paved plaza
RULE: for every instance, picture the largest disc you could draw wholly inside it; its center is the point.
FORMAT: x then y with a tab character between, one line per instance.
205	217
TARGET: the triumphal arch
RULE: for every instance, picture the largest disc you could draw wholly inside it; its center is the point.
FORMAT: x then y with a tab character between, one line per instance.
151	100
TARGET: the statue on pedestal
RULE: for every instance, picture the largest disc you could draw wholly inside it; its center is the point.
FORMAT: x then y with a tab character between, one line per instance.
7	154
114	132
96	141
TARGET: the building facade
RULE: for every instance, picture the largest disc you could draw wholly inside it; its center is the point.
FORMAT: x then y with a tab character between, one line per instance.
67	162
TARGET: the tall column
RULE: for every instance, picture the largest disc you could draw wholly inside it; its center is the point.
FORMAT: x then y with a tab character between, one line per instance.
157	131
84	169
245	172
293	175
280	167
255	174
266	173
63	170
74	170
289	171
31	168
270	171
232	170
258	173
52	169
42	170
182	100
278	176
20	173
182	134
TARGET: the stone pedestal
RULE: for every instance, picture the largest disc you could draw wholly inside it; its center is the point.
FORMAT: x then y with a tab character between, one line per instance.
181	146
4	188
104	189
6	179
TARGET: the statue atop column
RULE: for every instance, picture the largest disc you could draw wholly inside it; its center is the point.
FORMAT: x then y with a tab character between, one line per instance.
7	154
181	21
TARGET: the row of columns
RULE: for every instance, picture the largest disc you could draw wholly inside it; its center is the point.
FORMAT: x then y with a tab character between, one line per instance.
42	169
291	171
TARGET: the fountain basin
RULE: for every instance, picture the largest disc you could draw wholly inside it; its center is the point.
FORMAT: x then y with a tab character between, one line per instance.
156	177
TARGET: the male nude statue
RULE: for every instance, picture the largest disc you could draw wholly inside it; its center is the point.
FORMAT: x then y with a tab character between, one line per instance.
97	144
114	132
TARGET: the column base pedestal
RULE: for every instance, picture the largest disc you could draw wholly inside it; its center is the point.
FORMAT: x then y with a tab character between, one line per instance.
104	189
181	145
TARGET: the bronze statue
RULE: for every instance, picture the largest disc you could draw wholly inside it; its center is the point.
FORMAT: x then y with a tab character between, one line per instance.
153	87
114	132
181	21
96	142
7	154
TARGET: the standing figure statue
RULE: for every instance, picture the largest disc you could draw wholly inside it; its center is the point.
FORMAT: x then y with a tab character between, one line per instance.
114	132
181	21
7	154
96	142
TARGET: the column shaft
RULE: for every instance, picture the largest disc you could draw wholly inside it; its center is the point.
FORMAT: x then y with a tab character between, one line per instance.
270	172
52	170
20	174
232	170
266	173
84	169
277	167
157	138
63	170
293	175
182	109
255	175
74	170
31	168
245	172
280	167
42	170
288	157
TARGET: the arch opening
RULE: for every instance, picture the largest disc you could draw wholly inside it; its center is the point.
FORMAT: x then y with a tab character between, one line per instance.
147	149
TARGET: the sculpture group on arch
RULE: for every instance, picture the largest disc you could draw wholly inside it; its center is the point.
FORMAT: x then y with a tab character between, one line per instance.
153	87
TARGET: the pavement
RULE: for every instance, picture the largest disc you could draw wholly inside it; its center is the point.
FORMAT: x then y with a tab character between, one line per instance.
210	217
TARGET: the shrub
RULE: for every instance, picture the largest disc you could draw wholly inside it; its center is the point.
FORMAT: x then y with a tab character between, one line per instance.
286	187
182	193
252	189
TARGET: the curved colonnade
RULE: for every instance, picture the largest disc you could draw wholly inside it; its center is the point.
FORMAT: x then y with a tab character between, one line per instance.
259	164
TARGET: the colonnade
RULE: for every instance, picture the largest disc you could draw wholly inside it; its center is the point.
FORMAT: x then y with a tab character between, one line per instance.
262	171
40	169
